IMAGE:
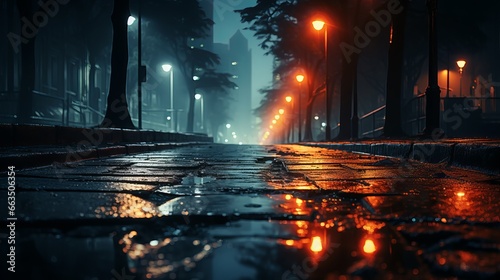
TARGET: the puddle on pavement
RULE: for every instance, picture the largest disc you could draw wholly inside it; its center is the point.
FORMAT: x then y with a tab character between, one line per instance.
325	247
196	180
235	250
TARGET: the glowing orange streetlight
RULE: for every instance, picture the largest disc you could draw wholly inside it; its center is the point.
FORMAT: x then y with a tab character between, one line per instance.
289	99
461	64
300	78
281	111
319	25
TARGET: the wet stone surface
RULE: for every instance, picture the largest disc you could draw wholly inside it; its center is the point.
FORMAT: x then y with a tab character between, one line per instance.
255	212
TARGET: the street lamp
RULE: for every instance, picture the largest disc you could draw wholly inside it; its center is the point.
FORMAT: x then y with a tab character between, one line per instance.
300	79
432	93
170	69
319	25
289	99
228	126
200	97
141	69
130	20
461	64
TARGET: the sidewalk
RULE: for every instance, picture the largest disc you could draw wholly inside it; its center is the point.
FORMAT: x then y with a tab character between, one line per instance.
473	153
38	145
215	211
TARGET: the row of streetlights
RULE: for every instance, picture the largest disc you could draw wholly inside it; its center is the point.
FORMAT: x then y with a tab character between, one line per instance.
168	68
320	25
273	123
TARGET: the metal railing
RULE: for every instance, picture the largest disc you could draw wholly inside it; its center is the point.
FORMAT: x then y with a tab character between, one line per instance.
414	115
372	123
56	110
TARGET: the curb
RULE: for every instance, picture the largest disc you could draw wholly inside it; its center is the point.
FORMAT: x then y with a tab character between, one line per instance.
29	159
26	146
484	157
36	135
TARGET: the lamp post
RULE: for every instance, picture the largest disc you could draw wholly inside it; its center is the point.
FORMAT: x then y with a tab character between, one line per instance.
289	99
432	93
202	120
461	64
228	126
300	79
319	25
169	69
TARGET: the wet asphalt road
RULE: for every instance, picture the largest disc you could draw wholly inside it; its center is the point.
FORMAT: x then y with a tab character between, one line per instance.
214	211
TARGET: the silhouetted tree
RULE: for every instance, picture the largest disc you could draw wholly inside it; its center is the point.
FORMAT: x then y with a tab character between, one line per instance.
117	113
286	33
179	22
284	28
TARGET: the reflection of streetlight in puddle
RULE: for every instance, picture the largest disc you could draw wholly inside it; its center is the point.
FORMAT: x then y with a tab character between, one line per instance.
369	246
316	245
298	201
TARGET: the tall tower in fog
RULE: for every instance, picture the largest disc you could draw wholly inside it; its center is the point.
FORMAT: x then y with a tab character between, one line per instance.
241	68
236	59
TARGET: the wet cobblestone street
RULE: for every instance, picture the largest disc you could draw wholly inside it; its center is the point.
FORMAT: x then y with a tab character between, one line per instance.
211	211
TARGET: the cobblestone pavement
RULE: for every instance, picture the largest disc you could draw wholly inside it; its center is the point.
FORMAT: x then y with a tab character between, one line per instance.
212	211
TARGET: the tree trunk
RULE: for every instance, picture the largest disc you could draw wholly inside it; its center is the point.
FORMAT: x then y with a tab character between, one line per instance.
349	71
25	102
117	113
190	122
346	91
393	125
308	125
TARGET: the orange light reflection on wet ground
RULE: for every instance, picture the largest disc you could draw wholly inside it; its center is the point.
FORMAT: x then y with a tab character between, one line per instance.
369	246
316	245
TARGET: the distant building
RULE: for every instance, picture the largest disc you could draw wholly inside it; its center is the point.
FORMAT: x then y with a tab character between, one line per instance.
236	59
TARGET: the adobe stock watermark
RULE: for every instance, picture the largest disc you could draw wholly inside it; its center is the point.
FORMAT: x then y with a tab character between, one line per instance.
93	138
455	117
362	38
30	27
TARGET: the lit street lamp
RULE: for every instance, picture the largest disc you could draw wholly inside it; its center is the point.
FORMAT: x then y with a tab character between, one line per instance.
169	69
228	126
461	64
130	20
300	79
200	97
289	99
319	25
